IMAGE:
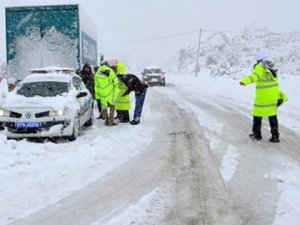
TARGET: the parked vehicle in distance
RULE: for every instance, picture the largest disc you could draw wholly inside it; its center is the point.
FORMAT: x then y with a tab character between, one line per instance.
153	75
51	102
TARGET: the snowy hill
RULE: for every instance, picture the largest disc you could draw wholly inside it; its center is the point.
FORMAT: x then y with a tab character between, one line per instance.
231	53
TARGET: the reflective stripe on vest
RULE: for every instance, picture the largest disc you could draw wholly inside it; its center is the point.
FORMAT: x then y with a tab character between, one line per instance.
104	96
103	87
265	106
267	86
251	79
127	102
268	78
257	75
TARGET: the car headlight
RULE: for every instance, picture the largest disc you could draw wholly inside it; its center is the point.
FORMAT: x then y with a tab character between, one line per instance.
59	112
4	113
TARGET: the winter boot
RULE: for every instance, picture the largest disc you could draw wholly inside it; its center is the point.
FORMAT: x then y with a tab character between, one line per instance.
255	137
136	121
124	116
256	128
112	116
274	138
274	129
105	117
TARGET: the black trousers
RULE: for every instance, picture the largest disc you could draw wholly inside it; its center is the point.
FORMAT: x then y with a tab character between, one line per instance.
123	116
99	106
257	120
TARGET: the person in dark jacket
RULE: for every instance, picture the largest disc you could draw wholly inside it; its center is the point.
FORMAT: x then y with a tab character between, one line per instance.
135	84
87	77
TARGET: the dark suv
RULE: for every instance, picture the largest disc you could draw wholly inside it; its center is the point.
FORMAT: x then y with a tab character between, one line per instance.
153	76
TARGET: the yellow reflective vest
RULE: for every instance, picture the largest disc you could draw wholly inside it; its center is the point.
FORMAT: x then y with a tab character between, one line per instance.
123	103
106	86
267	91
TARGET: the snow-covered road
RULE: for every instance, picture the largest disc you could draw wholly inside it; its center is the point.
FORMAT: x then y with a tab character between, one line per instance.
189	162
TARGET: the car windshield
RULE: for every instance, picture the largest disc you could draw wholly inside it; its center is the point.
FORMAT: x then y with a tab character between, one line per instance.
43	88
153	71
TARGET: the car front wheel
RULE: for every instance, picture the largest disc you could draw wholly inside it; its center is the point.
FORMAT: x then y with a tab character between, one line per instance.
76	129
91	120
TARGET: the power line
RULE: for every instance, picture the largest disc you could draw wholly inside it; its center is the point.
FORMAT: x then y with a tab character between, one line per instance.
176	35
153	38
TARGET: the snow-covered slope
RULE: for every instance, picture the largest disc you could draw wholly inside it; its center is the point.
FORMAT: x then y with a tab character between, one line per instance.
231	53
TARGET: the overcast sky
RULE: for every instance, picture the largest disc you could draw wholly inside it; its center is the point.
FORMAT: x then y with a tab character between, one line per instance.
120	21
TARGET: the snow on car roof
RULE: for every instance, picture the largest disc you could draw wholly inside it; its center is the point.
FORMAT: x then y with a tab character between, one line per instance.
152	67
52	69
60	77
61	74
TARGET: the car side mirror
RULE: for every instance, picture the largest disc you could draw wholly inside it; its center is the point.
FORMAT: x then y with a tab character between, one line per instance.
82	94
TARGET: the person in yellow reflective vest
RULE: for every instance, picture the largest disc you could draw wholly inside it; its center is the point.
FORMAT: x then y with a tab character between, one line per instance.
107	91
268	96
123	103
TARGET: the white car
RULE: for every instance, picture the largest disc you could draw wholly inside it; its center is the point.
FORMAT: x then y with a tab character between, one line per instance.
51	102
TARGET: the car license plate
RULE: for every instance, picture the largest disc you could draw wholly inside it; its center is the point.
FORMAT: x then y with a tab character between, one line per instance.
28	125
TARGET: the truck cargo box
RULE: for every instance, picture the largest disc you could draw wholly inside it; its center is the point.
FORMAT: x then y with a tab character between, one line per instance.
42	36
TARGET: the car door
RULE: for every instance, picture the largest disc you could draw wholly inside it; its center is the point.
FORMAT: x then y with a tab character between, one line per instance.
84	102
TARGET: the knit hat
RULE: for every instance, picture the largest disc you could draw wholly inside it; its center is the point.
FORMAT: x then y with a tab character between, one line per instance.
261	56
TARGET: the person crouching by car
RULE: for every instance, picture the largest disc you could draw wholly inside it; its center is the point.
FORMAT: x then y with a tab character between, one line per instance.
135	84
123	104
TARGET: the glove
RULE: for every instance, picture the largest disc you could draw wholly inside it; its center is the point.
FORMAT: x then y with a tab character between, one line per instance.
126	93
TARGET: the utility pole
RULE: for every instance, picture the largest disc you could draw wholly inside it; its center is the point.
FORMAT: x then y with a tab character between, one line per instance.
197	67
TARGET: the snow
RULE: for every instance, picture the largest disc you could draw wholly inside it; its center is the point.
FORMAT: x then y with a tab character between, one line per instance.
52	69
287	179
228	90
146	211
43	173
48	77
206	120
48	172
229	163
151	67
3	88
31	47
229	54
58	102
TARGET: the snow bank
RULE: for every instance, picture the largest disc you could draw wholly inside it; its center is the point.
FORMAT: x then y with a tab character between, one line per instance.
37	175
287	179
